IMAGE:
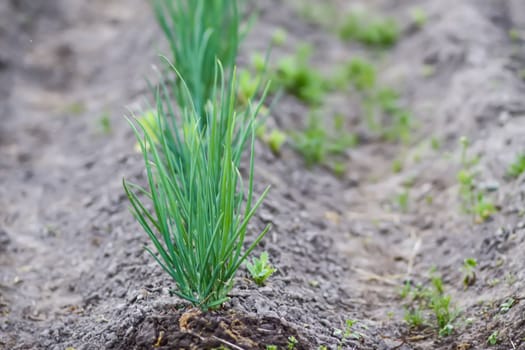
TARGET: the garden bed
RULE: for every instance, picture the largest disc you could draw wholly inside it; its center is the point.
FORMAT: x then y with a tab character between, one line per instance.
346	244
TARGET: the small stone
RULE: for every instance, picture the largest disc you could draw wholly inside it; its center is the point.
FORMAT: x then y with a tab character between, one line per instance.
489	186
325	323
266	291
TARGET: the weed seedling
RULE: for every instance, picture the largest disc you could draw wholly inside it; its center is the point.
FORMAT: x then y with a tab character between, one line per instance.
419	17
258	62
397	166
339	169
428	70
386	103
400	125
514	35
149	125
76	108
507	305
348	333
510	278
493	338
414	317
517	167
406	290
315	143
440	305
469	274
292	342
271	347
260	269
435	143
248	87
105	123
311	143
474	201
275	141
362	74
279	37
431	299
377	32
298	78
402	200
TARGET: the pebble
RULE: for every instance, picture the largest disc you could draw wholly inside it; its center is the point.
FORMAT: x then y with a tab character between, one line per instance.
325	323
266	291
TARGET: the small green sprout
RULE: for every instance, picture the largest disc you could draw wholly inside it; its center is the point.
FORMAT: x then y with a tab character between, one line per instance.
339	169
397	166
432	299
296	75
440	305
507	305
248	87
377	32
260	269
406	290
105	123
275	141
447	330
469	275
473	201
292	342
279	37
435	143
517	167
493	282
271	347
258	62
514	34
315	143
260	131
148	123
311	143
414	317
484	208
419	17
76	108
348	333
402	200
362	74
493	338
510	278
399	125
428	70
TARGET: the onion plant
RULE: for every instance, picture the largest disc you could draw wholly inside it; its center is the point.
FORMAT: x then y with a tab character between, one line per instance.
200	32
200	206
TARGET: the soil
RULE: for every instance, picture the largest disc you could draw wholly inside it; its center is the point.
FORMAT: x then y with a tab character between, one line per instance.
74	274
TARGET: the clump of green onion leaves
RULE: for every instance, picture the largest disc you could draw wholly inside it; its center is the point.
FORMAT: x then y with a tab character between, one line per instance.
200	32
200	206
